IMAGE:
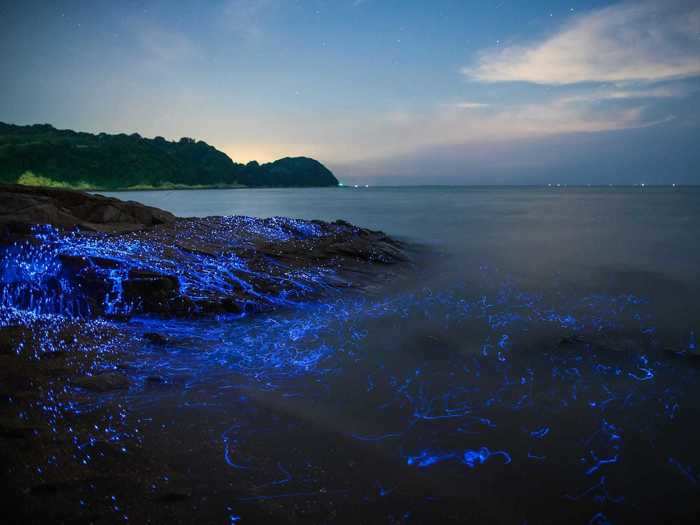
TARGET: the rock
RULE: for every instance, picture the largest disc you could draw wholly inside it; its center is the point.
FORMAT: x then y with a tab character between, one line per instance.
102	382
11	337
53	354
131	259
434	348
150	289
682	353
14	429
44	489
21	206
79	263
156	338
571	340
174	495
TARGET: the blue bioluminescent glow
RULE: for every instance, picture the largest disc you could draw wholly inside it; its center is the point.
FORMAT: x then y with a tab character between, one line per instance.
84	274
539	434
471	458
433	407
487	401
685	470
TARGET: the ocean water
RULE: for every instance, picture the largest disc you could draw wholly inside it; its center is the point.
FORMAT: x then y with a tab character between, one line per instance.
641	240
537	364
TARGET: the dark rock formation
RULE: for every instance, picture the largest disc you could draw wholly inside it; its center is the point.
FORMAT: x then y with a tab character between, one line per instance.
156	339
102	382
11	337
72	267
105	257
23	206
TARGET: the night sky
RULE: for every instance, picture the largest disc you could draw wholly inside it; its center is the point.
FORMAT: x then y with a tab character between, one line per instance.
382	91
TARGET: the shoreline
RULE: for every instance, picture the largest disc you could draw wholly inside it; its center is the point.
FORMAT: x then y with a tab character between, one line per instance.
209	188
307	390
174	188
504	187
77	325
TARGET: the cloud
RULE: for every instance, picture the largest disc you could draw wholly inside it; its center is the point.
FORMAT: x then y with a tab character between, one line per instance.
401	132
637	41
470	105
473	120
626	93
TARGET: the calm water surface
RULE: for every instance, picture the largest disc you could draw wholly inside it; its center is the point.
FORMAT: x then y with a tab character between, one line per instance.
534	231
537	366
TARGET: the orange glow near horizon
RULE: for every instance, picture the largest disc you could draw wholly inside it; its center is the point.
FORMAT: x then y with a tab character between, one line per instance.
244	153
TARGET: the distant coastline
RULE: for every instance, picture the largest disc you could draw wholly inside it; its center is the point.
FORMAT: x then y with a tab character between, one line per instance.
41	155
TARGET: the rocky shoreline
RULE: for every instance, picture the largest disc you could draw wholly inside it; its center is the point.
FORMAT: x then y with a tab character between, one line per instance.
74	269
67	252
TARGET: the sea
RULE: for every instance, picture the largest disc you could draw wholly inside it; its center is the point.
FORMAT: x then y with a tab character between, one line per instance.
537	363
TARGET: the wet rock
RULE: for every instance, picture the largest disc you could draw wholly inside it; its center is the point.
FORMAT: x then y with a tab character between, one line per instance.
434	348
187	267
150	289
15	429
172	495
12	337
679	352
231	305
571	340
103	451
53	354
44	489
105	382
156	339
75	263
198	247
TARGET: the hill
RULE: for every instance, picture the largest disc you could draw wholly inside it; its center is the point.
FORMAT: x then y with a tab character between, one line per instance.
42	155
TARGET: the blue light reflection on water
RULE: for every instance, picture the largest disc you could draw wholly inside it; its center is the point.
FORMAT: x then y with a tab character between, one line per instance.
442	412
439	412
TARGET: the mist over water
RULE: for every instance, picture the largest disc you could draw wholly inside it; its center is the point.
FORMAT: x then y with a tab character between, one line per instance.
632	239
521	371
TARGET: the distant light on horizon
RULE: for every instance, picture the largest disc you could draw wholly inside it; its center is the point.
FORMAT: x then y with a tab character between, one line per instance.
262	153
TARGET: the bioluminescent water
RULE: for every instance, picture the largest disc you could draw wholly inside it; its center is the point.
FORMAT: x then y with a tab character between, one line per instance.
370	380
538	366
86	274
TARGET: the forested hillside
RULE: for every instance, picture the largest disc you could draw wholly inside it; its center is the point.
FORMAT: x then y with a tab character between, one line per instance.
43	155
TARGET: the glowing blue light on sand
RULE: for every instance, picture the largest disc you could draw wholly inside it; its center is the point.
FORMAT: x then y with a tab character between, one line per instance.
427	458
599	462
539	434
686	471
434	408
471	458
600	519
